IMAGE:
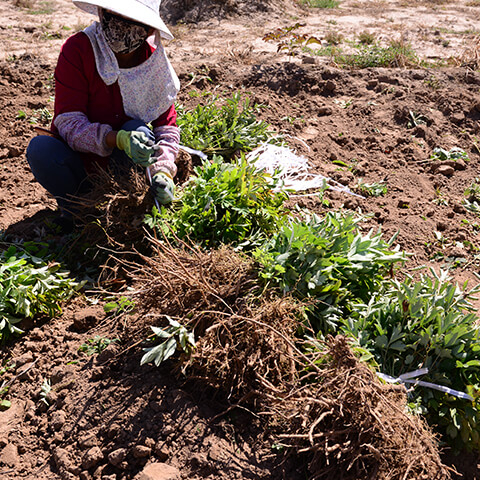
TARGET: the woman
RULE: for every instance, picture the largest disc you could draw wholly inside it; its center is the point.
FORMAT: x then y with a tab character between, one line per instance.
111	80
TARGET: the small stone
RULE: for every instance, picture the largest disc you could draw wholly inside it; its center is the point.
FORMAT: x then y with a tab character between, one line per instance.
62	459
199	460
23	359
458	117
75	469
162	451
420	131
441	226
83	321
87	441
159	471
460	164
459	208
330	86
60	372
10	419
58	420
92	457
14	151
37	334
351	203
309	60
109	477
113	430
446	170
141	451
107	354
9	456
33	346
150	442
117	456
27	371
324	111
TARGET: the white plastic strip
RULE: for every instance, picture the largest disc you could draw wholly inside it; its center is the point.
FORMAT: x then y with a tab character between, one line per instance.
292	169
191	151
410	378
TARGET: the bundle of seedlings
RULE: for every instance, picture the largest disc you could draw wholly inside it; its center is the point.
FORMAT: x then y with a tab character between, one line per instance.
112	213
327	407
110	224
351	426
215	295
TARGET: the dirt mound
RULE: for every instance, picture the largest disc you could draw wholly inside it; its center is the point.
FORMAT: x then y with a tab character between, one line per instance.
189	11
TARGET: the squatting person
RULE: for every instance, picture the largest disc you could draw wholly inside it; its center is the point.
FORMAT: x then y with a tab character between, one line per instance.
111	80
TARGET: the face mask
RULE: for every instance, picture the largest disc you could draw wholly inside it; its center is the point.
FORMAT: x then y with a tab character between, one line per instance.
121	34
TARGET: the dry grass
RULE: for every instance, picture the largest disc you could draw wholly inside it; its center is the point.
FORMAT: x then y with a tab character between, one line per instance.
470	57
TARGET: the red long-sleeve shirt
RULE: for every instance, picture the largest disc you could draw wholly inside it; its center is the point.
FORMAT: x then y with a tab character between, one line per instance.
79	88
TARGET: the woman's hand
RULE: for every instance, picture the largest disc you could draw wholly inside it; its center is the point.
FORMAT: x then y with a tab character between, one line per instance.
137	146
163	188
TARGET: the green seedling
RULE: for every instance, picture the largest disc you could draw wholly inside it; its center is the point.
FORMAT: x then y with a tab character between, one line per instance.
416	119
174	337
328	261
430	323
45	390
42	115
29	286
432	82
453	154
290	41
225	203
375	189
473	191
96	345
45	7
4	387
119	307
366	38
332	37
320	3
224	126
472	206
344	103
397	54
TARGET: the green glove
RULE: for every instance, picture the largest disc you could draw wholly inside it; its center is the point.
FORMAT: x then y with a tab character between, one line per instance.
137	146
163	187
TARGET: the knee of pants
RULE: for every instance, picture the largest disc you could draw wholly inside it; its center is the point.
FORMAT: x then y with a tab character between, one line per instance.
44	150
139	126
55	165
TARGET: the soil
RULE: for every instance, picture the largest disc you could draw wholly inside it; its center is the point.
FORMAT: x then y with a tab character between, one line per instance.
107	417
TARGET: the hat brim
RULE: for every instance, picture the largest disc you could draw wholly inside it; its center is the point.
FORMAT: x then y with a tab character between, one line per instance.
138	12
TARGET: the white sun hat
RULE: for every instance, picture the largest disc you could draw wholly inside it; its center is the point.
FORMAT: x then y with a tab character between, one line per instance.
142	11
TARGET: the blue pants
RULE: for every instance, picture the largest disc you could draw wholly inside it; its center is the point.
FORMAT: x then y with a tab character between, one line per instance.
59	169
